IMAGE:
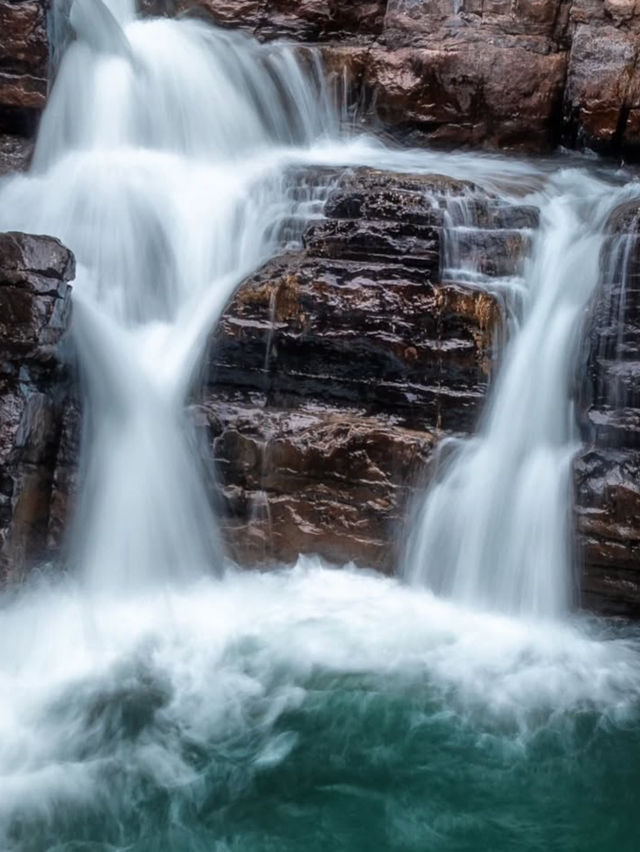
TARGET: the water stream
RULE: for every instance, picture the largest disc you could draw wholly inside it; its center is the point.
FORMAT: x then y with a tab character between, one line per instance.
154	698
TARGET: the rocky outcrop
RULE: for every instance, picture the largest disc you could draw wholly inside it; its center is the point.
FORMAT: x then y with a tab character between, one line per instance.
520	76
337	368
607	474
302	20
34	313
24	63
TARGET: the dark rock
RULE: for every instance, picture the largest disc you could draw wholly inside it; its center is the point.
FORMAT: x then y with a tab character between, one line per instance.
456	94
312	479
15	153
24	63
607	473
602	98
34	315
302	20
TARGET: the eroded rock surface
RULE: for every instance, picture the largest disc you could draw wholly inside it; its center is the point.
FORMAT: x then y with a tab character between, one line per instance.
34	314
607	474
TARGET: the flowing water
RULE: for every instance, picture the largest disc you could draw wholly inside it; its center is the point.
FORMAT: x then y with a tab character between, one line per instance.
152	697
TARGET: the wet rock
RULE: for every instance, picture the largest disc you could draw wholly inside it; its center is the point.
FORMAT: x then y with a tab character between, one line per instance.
361	315
338	367
457	95
15	153
34	315
602	98
302	20
607	473
24	60
312	479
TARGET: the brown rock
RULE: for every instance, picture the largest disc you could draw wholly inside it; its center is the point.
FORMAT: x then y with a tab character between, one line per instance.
15	153
302	20
337	368
603	87
312	479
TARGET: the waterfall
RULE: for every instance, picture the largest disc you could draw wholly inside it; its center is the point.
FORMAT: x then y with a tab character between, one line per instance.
494	529
162	162
159	162
151	700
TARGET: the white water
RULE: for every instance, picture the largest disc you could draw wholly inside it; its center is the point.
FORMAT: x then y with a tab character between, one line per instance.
225	661
495	529
162	162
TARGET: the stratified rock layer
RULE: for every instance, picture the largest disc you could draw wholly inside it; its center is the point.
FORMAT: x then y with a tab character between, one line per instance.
337	368
34	313
608	472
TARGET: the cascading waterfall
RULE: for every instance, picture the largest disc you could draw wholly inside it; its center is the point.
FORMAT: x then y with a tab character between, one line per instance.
158	163
154	706
494	530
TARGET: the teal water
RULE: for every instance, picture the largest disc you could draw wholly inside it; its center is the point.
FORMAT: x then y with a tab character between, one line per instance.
313	710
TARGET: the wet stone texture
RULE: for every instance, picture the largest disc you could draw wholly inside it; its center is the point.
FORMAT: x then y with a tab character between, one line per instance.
607	473
338	367
34	315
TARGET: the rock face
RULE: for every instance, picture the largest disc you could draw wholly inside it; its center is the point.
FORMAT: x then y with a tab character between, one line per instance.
521	76
607	474
24	63
15	153
34	313
337	368
303	20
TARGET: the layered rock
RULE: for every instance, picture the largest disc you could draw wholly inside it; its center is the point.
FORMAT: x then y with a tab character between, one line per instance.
15	153
337	368
602	98
510	75
607	474
34	314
